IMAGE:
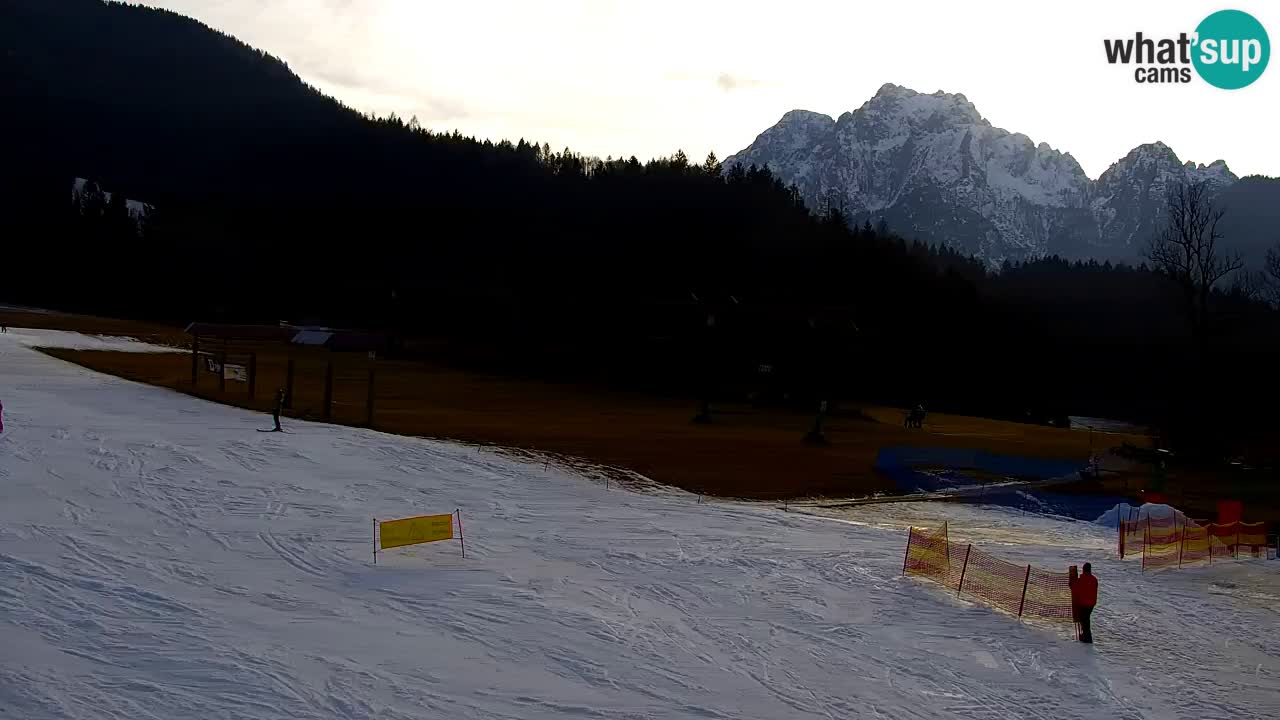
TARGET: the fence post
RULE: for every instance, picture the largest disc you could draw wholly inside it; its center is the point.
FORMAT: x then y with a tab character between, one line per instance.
905	556
461	536
1236	554
1025	581
1146	542
1182	540
963	569
1122	522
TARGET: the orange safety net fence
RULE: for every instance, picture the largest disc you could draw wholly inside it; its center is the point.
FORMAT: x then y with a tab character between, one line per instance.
1048	595
1195	545
927	554
1222	539
1163	540
1176	540
1022	590
997	582
1251	538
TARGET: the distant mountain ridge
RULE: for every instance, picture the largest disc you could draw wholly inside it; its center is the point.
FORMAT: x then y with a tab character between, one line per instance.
934	168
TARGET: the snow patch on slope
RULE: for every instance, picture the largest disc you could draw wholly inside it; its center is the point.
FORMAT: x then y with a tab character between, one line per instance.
1126	512
64	340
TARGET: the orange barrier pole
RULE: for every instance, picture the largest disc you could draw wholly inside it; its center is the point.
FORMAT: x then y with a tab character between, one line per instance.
1025	580
907	555
1182	541
963	569
1146	542
1072	576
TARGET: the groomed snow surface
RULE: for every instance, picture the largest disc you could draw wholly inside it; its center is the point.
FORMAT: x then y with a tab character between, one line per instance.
159	558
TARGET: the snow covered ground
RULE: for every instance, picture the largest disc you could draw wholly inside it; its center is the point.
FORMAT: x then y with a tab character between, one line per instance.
65	340
159	558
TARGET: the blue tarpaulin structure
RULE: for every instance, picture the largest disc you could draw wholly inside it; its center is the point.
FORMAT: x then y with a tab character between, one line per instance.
930	469
1081	507
926	469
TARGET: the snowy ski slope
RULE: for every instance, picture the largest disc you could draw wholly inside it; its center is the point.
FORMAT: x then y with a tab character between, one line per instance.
159	558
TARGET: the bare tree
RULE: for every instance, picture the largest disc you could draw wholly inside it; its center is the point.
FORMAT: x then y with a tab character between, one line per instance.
1252	286
1272	273
1188	251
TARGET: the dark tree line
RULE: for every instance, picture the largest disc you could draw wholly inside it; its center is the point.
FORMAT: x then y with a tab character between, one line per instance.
270	201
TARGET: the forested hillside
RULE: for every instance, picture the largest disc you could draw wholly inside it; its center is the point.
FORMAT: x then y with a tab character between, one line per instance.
271	201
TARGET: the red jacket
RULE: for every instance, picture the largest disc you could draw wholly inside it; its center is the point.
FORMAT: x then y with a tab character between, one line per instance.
1084	592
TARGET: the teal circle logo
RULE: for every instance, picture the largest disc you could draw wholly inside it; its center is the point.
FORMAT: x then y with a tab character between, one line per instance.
1232	49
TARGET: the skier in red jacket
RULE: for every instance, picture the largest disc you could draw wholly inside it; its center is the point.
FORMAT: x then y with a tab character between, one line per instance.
1084	596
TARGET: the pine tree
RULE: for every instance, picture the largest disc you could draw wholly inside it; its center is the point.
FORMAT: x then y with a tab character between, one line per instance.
711	166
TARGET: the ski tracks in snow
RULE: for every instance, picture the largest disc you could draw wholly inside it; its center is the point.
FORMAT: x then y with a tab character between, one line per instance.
159	558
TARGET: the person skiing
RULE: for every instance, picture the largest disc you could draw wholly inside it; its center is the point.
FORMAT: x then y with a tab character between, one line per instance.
1084	596
279	408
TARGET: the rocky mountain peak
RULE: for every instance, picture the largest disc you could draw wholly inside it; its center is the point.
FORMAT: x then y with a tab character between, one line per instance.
939	109
1148	154
934	168
1215	173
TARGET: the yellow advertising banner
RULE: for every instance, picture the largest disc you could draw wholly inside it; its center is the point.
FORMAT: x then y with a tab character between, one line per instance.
414	530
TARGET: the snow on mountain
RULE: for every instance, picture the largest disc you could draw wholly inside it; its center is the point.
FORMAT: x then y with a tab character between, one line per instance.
1128	198
159	558
137	208
1215	173
936	169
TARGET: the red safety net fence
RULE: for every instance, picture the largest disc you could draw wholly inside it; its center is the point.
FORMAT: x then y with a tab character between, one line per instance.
1022	590
1175	540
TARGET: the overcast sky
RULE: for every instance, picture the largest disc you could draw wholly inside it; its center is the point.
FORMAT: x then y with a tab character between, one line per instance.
645	78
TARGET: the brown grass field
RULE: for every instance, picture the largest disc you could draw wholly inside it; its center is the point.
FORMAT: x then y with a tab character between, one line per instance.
745	452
